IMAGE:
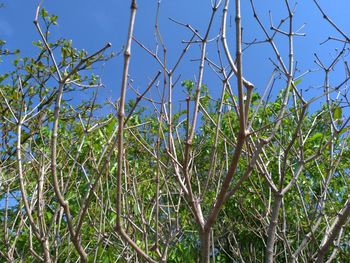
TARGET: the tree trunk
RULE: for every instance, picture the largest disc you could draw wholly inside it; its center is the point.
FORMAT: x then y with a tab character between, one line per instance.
205	246
271	234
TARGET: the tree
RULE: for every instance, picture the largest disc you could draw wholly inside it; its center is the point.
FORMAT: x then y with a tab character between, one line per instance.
248	176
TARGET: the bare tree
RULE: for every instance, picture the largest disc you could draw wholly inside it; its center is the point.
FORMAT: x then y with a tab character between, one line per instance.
247	176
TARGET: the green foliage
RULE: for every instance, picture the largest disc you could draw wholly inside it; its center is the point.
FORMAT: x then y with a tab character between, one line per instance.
186	250
191	91
337	113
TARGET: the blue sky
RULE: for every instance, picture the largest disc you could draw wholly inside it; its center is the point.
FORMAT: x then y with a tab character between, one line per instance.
91	24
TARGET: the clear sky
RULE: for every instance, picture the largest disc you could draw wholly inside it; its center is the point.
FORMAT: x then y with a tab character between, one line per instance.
91	24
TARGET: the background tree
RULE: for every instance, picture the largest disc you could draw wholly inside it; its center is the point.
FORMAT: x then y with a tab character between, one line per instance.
246	176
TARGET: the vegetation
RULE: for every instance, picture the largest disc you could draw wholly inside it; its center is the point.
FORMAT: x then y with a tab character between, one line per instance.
244	177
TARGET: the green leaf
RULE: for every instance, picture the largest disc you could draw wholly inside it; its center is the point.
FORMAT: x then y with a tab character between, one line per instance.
297	81
255	97
337	113
2	77
44	13
53	19
316	136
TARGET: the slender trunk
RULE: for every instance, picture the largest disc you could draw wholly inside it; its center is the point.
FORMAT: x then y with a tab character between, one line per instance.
46	247
334	230
205	246
271	234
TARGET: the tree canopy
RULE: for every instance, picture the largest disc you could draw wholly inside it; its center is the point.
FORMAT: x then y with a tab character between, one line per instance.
246	176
